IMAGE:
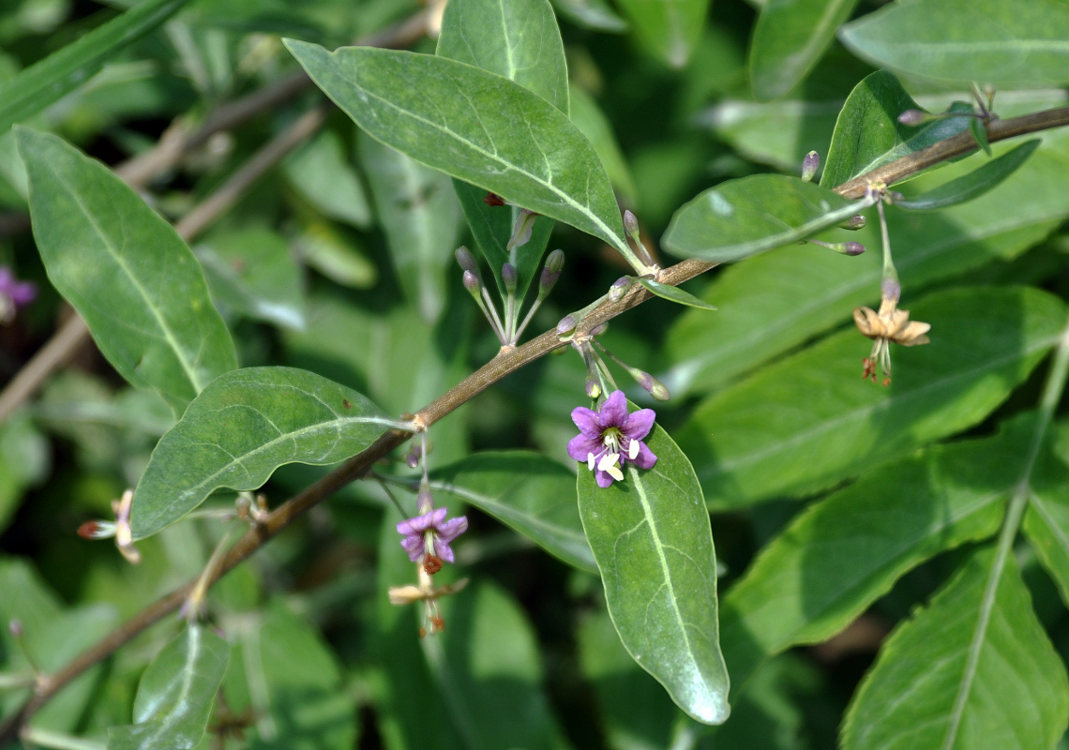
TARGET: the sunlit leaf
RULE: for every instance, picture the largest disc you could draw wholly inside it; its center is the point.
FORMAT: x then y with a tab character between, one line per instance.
651	539
245	425
973	184
674	294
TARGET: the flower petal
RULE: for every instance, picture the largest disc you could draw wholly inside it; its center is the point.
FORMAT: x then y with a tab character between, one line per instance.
602	478
581	446
587	422
614	410
452	528
443	550
639	423
645	458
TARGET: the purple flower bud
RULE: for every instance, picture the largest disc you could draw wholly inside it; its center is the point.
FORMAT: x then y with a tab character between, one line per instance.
508	276
854	223
653	386
466	260
810	165
593	389
551	272
853	248
555	261
521	233
619	288
14	626
471	283
890	289
630	223
914	117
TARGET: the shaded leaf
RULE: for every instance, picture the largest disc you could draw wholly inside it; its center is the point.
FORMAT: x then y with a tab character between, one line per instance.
868	134
747	216
789	38
674	294
973	184
989	41
126	271
176	694
839	556
942	678
46	81
245	425
527	492
1046	522
588	117
651	539
810	420
472	125
324	174
591	14
668	29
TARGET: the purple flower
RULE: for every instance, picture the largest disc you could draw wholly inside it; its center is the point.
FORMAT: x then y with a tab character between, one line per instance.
611	437
13	293
431	531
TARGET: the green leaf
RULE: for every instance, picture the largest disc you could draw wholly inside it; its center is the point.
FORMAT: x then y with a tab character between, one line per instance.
421	219
464	121
527	492
988	41
839	556
245	425
288	678
591	14
588	117
323	172
25	458
747	216
252	272
979	132
975	669
126	271
789	38
973	184
176	694
651	539
810	421
521	42
518	41
674	294
48	80
1046	522
668	29
868	133
778	300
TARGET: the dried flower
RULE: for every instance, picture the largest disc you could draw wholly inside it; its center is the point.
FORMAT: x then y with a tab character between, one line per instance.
119	528
429	535
429	594
610	437
887	325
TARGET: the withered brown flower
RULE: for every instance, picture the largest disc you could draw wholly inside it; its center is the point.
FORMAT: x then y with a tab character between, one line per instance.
887	325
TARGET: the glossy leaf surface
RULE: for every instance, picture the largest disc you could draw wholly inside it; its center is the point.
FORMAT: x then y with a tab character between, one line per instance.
245	425
527	492
176	694
41	84
750	215
651	539
943	672
126	271
472	125
674	294
789	38
815	420
1004	44
972	185
668	29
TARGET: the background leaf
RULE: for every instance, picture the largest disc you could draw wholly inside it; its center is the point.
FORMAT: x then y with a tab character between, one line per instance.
744	217
974	184
816	421
126	271
1004	44
245	425
176	693
463	121
668	29
789	38
921	678
61	72
651	538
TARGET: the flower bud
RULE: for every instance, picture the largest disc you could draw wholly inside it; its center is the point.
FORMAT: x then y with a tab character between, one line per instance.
521	233
508	276
619	288
810	165
653	386
566	325
471	283
466	260
631	224
852	248
854	223
593	390
913	117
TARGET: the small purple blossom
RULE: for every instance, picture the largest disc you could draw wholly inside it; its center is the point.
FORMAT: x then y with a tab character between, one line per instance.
431	531
13	293
610	437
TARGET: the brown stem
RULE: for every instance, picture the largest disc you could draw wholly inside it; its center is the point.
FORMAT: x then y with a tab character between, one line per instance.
507	361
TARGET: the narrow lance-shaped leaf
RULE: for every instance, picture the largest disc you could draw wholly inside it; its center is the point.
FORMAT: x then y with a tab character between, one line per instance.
972	185
1001	43
651	538
176	694
744	217
521	42
674	294
973	670
473	125
61	72
528	493
245	425
126	271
